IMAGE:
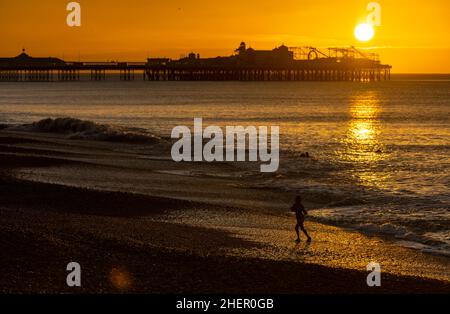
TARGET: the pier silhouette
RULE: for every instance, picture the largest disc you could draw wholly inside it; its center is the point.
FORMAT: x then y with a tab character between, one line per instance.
246	64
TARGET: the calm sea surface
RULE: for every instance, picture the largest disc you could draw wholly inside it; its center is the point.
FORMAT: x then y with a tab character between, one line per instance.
383	148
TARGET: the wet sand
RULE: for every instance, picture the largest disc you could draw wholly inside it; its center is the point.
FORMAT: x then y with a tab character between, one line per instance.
137	222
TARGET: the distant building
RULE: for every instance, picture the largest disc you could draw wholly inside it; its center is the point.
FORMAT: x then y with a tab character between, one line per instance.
280	56
24	60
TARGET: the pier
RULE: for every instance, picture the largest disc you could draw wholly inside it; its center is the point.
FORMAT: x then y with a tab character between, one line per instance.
246	64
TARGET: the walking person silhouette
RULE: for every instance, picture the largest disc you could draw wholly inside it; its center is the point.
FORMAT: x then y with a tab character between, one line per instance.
300	213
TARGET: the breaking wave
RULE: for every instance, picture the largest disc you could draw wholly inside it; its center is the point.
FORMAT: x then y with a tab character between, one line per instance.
427	234
84	129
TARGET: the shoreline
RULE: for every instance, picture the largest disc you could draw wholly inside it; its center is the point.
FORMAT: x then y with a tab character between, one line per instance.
114	263
174	236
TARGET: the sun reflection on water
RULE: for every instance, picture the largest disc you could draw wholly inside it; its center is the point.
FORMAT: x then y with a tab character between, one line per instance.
362	145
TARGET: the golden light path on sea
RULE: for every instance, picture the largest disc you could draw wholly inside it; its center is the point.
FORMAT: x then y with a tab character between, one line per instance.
362	141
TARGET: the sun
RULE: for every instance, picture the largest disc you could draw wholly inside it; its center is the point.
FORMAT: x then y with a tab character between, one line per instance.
364	32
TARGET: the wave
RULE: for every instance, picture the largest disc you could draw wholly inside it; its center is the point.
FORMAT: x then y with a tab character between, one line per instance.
430	236
428	242
89	130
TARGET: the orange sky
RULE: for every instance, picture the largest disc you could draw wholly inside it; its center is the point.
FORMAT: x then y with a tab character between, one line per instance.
414	35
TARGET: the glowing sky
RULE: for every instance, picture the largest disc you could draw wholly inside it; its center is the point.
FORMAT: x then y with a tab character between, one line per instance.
414	35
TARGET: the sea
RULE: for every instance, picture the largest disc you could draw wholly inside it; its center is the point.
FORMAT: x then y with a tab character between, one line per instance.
380	151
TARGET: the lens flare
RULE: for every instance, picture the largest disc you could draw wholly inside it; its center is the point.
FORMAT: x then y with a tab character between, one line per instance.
120	278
